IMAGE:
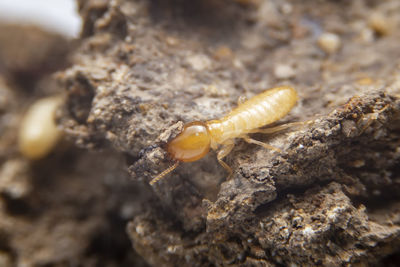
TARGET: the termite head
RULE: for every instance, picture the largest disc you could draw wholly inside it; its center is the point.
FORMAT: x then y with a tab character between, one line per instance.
191	144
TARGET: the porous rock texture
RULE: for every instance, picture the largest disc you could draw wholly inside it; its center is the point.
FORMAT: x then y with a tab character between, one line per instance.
330	198
60	210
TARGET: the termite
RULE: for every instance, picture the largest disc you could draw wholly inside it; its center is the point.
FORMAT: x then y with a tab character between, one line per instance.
38	133
196	138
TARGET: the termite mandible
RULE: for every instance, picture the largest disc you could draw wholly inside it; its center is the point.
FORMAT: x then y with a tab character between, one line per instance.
196	138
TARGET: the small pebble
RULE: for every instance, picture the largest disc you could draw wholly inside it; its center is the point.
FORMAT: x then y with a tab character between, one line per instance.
284	71
172	41
286	8
367	35
223	52
199	62
329	42
15	179
379	23
365	81
5	259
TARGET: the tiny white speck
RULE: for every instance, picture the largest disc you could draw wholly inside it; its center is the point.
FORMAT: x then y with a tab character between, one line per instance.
171	249
97	111
308	231
140	229
334	212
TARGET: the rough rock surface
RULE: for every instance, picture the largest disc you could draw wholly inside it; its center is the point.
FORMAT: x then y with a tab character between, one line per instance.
330	198
66	209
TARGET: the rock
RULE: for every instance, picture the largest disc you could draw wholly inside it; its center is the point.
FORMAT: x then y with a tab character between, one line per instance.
145	68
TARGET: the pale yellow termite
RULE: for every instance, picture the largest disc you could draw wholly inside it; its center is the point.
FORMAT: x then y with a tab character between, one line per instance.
196	138
38	133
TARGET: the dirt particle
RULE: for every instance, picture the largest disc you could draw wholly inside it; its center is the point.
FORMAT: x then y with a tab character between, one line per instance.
329	42
199	62
284	71
380	24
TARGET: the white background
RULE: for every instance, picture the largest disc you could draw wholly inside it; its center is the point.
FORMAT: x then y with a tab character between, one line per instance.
54	15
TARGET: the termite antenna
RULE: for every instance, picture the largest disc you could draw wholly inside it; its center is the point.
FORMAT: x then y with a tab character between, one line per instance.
161	175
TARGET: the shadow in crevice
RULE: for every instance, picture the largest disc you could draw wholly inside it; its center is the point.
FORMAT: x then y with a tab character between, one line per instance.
112	244
391	260
211	19
263	209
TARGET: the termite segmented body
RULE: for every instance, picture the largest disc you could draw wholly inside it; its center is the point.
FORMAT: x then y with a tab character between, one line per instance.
257	112
197	138
38	134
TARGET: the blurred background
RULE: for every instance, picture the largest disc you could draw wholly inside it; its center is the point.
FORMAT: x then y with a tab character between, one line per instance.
54	15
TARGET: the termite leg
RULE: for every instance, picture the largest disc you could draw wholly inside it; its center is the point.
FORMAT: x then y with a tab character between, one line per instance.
165	172
256	142
281	127
222	153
